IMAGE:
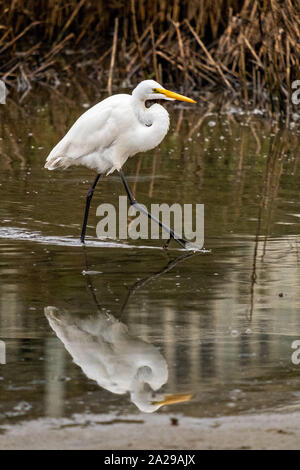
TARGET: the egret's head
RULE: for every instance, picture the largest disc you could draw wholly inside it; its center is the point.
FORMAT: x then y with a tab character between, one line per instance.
146	383
151	90
149	401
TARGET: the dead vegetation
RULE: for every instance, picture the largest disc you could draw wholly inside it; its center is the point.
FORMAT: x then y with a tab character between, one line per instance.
247	52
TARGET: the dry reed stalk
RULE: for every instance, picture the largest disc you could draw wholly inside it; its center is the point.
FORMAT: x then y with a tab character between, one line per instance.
15	39
154	54
113	57
176	25
58	47
136	34
210	58
250	46
71	18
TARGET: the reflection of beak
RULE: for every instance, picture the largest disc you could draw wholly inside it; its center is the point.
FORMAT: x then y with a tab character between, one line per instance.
176	398
174	96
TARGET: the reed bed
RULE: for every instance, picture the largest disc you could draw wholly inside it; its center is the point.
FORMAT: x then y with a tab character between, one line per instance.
243	52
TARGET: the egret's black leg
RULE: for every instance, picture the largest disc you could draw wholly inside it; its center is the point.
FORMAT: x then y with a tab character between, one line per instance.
167	243
182	242
87	206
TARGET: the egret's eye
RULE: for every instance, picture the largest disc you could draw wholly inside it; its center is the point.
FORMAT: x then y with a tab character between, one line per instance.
155	90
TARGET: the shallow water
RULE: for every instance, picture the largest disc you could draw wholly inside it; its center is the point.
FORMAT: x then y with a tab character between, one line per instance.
215	326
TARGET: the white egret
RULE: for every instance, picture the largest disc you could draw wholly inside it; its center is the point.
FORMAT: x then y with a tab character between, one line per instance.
106	352
110	132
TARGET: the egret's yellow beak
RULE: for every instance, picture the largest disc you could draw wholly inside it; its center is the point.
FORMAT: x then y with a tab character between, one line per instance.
176	398
174	96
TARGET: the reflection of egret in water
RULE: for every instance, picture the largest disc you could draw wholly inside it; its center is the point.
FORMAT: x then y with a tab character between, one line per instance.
107	353
119	362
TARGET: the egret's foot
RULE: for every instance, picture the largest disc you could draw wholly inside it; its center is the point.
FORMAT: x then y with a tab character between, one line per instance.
192	246
183	243
165	246
187	245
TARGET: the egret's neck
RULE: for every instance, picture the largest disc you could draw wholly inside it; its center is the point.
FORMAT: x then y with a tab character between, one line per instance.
154	122
142	113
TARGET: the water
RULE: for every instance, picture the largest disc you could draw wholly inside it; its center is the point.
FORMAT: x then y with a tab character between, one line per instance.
214	328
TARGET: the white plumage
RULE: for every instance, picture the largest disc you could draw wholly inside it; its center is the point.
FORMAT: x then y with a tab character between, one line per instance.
116	128
119	362
111	131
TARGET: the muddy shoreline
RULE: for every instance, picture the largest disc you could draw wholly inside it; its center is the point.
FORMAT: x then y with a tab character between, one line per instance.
274	430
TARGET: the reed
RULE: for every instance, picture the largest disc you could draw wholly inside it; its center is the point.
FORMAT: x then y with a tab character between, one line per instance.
248	50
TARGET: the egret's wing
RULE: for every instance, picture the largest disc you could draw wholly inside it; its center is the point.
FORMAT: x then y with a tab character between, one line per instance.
94	131
95	355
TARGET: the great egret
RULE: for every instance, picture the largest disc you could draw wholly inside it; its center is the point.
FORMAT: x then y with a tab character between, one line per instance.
110	132
119	362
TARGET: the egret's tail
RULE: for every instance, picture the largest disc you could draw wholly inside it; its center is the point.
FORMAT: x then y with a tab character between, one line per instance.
53	162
